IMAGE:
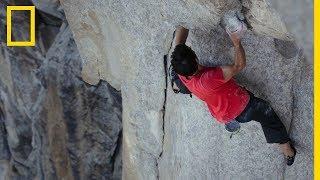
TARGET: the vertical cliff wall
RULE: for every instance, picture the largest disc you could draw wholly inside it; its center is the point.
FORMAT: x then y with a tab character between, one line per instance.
169	136
53	125
61	113
298	16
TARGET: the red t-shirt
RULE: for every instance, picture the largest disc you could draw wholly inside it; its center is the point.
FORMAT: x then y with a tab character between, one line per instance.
225	99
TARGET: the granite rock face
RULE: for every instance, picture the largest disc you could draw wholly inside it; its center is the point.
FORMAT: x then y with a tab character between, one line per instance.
298	17
53	125
264	19
168	136
51	7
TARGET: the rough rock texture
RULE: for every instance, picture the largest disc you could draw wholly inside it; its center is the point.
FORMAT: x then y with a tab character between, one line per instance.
265	20
53	125
169	136
99	36
298	16
51	7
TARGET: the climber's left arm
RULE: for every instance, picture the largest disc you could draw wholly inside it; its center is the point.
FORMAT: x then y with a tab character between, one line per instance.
181	35
239	60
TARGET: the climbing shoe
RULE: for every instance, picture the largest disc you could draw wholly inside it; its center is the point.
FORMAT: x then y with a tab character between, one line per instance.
290	160
232	126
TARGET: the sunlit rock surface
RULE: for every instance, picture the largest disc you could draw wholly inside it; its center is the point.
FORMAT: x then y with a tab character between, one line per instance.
165	136
298	16
168	136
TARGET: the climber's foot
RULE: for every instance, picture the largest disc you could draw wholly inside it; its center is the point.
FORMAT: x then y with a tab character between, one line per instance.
290	159
289	151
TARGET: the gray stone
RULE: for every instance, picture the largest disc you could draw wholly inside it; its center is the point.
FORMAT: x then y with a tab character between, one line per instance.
50	6
301	129
298	17
287	49
53	125
264	19
168	136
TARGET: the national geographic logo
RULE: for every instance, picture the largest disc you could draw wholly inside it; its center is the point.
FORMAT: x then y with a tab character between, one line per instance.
32	41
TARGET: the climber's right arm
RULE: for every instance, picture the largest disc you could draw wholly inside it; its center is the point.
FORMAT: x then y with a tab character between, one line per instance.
181	35
239	59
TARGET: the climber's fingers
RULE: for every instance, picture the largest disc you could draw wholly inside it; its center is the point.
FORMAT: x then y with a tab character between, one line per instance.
239	32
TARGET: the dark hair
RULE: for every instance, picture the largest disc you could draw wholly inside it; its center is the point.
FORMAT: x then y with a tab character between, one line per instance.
183	60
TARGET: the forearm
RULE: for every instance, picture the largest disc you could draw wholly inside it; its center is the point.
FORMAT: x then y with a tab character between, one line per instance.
240	57
181	35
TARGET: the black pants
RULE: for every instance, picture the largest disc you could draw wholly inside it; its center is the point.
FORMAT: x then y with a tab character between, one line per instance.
261	111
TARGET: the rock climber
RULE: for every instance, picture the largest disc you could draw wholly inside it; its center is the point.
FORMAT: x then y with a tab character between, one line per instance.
227	101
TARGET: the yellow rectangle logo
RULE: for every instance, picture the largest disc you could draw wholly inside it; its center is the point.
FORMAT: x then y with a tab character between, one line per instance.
32	10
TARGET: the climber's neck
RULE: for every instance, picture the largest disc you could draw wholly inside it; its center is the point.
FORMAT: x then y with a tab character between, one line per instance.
200	67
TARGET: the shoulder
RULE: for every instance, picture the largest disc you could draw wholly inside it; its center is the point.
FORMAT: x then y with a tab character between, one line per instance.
212	73
212	77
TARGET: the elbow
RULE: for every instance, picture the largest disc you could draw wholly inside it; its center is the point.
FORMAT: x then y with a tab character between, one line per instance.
243	65
240	66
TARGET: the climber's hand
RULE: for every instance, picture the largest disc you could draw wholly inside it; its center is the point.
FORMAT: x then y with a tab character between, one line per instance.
181	35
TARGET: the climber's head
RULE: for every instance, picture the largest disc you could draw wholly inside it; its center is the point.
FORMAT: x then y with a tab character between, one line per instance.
184	60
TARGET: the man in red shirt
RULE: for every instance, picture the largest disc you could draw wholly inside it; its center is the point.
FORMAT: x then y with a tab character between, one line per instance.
226	100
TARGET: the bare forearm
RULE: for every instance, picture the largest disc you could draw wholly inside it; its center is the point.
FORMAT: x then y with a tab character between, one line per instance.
181	35
240	57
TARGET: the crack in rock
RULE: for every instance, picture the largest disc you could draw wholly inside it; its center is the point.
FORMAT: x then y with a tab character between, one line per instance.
165	64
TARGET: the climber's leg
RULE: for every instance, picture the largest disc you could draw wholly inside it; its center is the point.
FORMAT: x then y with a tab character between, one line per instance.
261	111
274	130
